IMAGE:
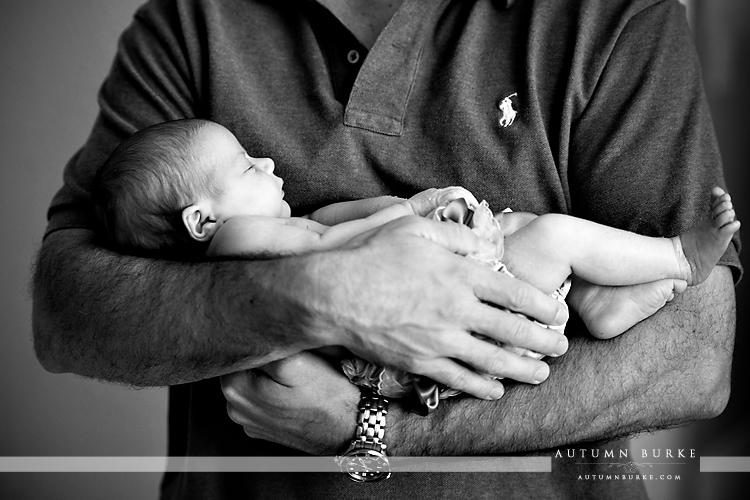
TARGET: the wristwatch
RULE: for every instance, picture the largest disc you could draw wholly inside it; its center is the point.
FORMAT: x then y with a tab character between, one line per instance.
365	460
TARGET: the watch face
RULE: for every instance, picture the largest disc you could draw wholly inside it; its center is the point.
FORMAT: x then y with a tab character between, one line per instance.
366	466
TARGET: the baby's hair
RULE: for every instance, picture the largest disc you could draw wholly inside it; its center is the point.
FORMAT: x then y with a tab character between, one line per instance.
140	191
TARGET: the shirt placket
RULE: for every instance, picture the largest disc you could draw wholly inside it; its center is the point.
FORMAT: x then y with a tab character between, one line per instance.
380	94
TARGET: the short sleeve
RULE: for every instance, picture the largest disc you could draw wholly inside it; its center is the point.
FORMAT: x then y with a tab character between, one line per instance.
643	154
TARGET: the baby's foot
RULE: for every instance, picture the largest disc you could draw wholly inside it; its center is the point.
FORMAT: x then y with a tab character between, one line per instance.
608	311
704	244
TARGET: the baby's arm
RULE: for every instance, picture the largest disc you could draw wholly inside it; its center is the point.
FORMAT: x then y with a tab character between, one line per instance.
269	237
422	204
255	237
336	213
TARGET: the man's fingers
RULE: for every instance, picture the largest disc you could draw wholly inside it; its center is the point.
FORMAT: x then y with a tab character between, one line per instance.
235	385
236	388
454	375
518	296
296	369
493	360
455	238
515	330
483	358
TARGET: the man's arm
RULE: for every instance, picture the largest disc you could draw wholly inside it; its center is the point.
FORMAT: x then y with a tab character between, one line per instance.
666	371
154	322
151	322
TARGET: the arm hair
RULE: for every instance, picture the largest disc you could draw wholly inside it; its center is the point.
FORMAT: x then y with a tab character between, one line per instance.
148	322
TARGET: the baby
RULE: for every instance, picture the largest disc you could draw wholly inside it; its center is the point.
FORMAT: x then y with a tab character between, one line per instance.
188	186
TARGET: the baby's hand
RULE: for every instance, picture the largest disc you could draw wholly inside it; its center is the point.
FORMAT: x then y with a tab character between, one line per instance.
428	200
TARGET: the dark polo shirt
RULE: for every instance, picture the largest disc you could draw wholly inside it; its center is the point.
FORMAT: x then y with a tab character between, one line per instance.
610	124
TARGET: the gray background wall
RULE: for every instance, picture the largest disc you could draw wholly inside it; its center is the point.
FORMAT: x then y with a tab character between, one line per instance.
53	57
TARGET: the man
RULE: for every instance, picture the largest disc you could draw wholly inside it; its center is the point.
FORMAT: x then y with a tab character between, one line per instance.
388	98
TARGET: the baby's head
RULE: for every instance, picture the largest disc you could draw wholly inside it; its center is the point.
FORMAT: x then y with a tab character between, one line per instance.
169	187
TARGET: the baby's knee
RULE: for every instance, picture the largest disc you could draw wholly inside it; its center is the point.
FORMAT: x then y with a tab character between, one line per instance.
554	226
513	221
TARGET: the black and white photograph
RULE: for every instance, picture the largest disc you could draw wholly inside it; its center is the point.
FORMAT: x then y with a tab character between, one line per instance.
374	249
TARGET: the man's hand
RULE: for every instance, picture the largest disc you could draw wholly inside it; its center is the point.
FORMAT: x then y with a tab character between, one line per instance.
302	402
394	297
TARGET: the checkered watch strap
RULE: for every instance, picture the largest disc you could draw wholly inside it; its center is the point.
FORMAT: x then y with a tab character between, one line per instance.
371	421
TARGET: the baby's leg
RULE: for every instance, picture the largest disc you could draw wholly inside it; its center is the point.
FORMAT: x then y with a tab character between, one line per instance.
553	246
545	254
704	244
610	311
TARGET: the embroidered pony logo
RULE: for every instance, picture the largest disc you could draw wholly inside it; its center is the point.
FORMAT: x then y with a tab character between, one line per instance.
509	114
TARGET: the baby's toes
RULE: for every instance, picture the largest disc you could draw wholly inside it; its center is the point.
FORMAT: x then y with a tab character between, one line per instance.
723	207
724	218
719	200
728	229
716	192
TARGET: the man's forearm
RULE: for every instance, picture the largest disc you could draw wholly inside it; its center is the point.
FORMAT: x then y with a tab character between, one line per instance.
151	322
668	370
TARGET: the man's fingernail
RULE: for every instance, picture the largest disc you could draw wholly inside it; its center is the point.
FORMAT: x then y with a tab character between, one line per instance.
496	393
541	374
562	347
562	316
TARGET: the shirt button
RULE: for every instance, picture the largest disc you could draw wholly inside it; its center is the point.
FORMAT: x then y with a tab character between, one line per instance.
353	56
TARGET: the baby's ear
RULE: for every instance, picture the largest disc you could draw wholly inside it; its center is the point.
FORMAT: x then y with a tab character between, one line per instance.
199	225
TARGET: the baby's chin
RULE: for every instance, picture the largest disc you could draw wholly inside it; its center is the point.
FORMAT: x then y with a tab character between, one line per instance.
285	210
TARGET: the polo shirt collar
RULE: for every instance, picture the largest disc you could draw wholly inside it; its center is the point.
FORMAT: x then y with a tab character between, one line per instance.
380	93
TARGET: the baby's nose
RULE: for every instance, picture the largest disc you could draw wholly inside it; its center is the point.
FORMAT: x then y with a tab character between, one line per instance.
266	164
